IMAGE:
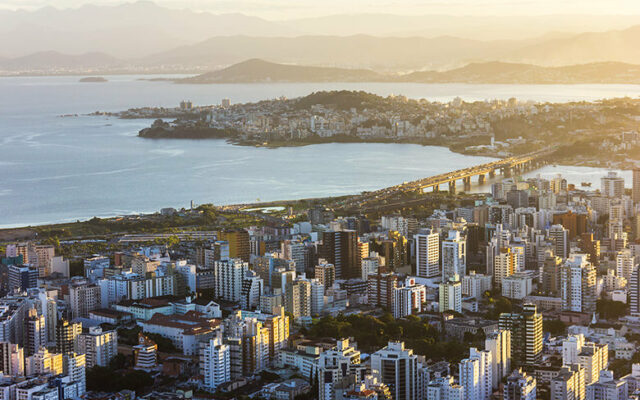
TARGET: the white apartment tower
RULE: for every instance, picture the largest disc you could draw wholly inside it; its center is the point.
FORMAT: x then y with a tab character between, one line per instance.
499	344
75	369
625	261
228	278
578	284
454	255
450	295
99	346
612	185
84	297
215	363
427	253
476	375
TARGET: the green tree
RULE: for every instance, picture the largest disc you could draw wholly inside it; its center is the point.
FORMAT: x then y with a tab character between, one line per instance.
610	309
554	327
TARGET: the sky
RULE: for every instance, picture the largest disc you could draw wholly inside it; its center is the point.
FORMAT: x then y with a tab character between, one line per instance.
291	9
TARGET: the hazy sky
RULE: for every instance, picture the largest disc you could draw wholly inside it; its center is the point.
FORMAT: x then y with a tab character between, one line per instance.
286	9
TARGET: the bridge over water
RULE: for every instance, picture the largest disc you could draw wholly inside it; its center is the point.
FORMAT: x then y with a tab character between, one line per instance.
506	167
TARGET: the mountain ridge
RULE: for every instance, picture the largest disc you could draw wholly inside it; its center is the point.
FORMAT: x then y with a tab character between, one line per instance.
261	71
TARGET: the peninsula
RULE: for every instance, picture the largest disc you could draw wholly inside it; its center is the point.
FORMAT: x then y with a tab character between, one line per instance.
598	134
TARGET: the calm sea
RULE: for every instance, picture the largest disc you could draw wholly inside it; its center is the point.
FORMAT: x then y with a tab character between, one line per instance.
55	169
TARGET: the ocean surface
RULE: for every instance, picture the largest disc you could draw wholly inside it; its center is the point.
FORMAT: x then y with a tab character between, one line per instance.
57	169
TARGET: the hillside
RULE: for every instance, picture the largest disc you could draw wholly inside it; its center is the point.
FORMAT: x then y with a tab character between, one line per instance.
617	46
52	60
256	70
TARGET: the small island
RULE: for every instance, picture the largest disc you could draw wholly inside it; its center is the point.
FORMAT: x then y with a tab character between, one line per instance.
93	79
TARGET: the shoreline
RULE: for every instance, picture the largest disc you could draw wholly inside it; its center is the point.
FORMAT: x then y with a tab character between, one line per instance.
454	148
235	207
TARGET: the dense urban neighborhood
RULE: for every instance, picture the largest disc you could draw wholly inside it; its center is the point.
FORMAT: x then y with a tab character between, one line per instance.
530	291
579	130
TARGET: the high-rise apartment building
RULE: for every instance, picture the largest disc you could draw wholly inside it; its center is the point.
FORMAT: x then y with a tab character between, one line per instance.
634	291
340	249
11	359
550	277
228	278
504	265
252	290
409	298
215	363
578	284
608	388
99	346
526	335
297	299
454	255
499	344
84	297
238	241
476	375
625	262
427	244
593	357
325	273
520	386
612	185
575	223
450	295
44	254
336	367
559	236
296	251
381	289
22	277
591	247
35	332
636	185
317	297
42	362
75	368
397	368
371	265
569	384
474	285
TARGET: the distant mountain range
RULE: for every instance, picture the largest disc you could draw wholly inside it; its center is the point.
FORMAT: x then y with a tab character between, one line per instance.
406	53
358	51
141	28
144	37
127	30
475	27
255	70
